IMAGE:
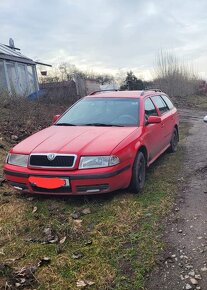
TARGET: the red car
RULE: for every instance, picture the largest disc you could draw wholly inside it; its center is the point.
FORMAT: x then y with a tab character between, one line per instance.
102	143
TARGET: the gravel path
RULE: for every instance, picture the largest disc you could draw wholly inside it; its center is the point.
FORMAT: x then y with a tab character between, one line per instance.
184	263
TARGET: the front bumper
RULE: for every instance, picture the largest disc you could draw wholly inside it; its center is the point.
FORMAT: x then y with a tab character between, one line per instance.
87	181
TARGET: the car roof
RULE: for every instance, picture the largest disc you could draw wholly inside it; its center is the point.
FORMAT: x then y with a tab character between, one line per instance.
123	94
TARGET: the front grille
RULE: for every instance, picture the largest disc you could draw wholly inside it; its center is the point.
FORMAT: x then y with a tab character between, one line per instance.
60	161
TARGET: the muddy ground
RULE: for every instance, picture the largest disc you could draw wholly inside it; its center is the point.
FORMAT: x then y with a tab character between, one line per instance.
183	263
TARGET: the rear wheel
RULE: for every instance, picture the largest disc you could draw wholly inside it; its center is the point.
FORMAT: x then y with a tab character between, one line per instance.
138	173
174	141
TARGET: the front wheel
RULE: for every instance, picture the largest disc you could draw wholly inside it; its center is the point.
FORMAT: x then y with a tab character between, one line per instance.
174	141
138	173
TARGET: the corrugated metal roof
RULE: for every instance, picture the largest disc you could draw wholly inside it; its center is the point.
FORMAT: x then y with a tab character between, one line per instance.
9	52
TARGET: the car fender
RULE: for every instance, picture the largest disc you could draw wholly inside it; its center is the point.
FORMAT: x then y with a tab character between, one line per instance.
128	148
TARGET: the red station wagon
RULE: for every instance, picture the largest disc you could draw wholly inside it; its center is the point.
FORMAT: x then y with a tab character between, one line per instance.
104	142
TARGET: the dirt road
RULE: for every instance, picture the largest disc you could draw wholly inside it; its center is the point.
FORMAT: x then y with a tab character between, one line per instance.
183	264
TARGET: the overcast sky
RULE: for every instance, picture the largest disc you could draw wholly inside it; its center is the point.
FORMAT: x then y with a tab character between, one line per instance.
107	35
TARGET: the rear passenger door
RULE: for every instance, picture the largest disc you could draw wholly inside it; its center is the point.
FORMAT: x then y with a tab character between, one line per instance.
167	118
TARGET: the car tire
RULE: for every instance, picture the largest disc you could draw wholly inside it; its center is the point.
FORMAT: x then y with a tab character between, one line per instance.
174	141
138	173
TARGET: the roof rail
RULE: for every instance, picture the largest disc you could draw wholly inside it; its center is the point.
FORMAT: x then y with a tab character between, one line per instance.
150	89
100	91
153	89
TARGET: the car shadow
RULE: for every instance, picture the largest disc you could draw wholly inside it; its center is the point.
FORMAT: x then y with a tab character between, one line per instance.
80	200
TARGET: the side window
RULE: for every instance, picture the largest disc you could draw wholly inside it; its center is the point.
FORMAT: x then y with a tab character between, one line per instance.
149	108
161	105
168	102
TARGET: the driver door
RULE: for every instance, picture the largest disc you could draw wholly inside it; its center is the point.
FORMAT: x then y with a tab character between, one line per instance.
153	132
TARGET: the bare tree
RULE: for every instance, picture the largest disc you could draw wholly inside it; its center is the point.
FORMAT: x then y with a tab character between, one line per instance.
66	72
175	77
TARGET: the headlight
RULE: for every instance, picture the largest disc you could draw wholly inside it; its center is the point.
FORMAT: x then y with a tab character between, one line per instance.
98	161
17	159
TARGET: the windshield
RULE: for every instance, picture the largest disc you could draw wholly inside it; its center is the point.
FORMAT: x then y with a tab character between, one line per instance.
102	112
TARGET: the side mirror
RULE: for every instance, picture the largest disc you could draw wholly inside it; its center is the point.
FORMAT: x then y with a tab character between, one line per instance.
205	119
154	119
55	118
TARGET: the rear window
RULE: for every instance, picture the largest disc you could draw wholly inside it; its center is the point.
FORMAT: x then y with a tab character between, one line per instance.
168	102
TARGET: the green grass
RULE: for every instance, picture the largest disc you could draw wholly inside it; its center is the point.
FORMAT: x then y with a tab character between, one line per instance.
125	230
200	102
193	102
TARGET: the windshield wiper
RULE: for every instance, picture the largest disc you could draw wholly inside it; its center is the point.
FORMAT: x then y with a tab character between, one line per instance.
103	125
65	124
89	124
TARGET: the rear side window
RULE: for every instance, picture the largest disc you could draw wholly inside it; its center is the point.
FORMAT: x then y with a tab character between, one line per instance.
168	102
161	105
149	108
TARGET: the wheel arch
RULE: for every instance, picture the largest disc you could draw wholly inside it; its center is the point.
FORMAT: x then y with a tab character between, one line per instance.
143	149
133	183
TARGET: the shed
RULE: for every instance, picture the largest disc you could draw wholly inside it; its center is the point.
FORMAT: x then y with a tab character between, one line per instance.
18	75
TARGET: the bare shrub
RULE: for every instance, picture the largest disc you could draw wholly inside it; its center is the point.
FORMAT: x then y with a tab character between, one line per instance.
22	117
59	93
174	77
202	90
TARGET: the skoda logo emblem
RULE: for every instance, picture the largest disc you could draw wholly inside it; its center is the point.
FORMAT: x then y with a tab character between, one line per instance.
51	156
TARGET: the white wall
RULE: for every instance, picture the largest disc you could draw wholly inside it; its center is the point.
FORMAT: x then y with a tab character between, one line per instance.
3	82
18	78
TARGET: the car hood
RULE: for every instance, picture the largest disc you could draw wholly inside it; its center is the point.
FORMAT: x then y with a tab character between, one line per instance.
83	140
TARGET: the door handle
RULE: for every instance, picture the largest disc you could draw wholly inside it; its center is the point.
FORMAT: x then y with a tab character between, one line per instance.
162	125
